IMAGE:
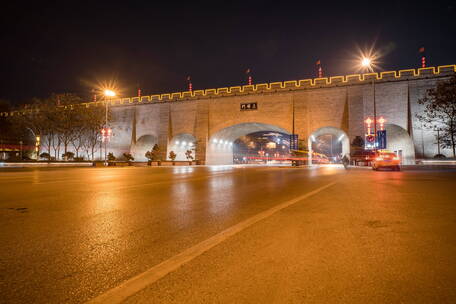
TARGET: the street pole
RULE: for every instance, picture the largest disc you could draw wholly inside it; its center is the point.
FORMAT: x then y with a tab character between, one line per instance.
422	140
438	140
106	137
375	117
331	141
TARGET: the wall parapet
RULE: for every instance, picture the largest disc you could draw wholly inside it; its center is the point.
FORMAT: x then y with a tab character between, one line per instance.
407	74
314	83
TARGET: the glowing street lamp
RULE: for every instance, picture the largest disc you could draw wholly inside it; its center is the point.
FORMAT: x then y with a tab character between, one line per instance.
366	63
382	121
107	132
37	146
368	122
109	93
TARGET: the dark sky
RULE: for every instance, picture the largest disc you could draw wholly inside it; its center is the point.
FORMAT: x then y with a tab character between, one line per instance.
65	46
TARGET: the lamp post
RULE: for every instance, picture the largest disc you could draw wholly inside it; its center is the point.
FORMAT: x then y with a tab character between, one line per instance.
438	140
108	94
367	64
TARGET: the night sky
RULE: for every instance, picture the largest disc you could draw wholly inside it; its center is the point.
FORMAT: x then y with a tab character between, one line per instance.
59	47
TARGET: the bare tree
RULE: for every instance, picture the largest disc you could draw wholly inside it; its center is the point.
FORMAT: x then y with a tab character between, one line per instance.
68	117
95	121
440	111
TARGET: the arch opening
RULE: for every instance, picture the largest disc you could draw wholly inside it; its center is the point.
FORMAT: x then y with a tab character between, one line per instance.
262	147
331	142
180	143
399	141
237	138
143	144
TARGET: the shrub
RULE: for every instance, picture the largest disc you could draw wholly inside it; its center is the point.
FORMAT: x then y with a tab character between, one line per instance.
68	155
154	154
189	155
128	157
111	157
172	155
45	155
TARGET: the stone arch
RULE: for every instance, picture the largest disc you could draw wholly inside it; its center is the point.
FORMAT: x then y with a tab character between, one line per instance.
143	144
180	143
398	139
338	133
219	150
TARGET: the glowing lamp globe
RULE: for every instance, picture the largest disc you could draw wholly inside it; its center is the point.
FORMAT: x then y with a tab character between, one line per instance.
109	93
366	62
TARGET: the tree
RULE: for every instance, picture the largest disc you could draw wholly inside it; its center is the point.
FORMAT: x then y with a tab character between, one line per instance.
188	155
31	121
440	111
128	157
154	154
68	155
46	156
5	124
79	129
172	156
95	121
111	157
68	117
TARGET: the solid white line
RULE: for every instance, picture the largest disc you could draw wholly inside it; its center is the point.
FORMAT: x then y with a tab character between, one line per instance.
139	282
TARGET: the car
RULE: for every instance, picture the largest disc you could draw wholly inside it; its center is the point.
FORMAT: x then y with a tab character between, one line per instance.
362	157
386	159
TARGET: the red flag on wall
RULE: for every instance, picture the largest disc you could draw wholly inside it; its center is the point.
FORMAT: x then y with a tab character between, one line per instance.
249	77
319	69
423	57
189	82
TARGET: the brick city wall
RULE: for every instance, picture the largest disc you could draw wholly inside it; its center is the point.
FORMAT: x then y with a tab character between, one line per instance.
302	107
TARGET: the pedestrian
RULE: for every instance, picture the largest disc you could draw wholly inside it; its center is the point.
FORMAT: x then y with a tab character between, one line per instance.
346	161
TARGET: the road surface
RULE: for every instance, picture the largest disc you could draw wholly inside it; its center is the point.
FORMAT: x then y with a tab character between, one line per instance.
227	235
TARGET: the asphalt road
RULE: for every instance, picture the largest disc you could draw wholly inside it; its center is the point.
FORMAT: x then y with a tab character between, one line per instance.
227	235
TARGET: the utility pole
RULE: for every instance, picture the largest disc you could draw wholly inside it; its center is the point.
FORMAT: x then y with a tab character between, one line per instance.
375	116
438	140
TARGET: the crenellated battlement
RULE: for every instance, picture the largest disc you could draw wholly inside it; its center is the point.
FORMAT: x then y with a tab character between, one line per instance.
314	83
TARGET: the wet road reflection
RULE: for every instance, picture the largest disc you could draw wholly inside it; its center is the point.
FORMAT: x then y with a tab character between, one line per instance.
99	226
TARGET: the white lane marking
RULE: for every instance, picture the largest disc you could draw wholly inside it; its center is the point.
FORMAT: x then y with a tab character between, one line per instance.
141	281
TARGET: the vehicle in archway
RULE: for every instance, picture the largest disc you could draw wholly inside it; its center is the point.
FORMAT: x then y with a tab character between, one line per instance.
299	157
302	157
362	157
386	159
319	158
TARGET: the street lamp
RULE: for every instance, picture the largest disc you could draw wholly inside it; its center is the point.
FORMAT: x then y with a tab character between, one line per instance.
367	64
108	94
438	139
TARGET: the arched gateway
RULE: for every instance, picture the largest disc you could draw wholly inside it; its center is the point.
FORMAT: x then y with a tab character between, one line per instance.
219	149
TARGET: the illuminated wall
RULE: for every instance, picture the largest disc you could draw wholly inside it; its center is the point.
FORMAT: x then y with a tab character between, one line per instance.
304	106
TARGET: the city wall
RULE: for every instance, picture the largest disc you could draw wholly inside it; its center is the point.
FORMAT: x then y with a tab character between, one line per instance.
302	107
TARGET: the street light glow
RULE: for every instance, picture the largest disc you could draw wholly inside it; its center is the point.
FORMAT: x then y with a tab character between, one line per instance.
109	93
366	62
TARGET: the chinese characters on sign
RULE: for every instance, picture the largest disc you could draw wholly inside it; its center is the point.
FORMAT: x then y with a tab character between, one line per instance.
294	142
381	139
106	134
249	106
